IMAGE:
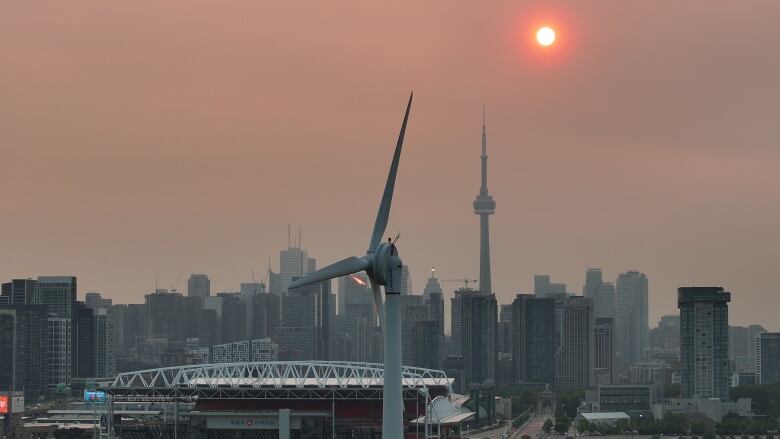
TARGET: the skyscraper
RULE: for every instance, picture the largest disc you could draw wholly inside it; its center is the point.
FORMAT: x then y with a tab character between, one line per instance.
23	342
576	359
198	285
534	340
432	285
704	341
406	280
604	301
59	294
768	357
593	280
484	206
19	291
631	318
478	313
294	263
604	352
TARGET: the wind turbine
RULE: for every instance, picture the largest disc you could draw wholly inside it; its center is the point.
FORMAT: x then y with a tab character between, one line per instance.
383	267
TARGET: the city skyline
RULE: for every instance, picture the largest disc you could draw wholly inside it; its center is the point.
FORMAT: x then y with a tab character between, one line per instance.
189	175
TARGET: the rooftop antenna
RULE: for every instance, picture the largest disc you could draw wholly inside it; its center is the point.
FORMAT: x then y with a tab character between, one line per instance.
289	236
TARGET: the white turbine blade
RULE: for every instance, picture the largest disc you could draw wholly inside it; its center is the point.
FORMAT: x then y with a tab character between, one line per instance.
387	198
341	268
380	304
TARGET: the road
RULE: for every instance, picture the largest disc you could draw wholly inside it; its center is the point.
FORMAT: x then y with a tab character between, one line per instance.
533	427
496	433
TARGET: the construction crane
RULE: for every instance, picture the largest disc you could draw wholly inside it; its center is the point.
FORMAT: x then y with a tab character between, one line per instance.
466	281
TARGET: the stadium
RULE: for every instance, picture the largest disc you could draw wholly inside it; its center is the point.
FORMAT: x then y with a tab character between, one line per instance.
268	400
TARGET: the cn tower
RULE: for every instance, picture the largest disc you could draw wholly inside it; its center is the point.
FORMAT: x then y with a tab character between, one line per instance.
484	206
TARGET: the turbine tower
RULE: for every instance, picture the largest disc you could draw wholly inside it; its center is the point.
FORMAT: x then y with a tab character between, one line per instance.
484	206
383	267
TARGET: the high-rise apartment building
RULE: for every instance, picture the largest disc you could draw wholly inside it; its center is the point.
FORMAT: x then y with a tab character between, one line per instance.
478	314
704	341
534	340
23	349
58	293
576	355
631	323
198	285
767	352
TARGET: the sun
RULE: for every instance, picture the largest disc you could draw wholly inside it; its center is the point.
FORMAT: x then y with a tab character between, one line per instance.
545	36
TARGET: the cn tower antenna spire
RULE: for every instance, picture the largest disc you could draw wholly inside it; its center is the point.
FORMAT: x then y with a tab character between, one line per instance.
484	206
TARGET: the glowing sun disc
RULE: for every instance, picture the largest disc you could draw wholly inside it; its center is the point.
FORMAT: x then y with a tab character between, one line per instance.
545	36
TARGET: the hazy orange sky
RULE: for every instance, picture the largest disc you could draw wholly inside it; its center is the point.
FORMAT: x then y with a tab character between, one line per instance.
145	137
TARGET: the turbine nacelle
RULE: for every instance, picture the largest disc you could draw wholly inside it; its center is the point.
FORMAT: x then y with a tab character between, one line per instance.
381	262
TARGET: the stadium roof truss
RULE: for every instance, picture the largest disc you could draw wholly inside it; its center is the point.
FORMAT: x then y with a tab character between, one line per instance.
275	379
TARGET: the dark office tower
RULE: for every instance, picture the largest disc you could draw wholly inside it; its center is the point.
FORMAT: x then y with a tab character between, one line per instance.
94	300
265	315
406	281
478	314
198	285
353	289
456	314
604	352
58	293
162	316
593	281
534	340
504	330
116	317
541	284
435	303
604	301
575	363
704	341
324	320
233	318
134	327
19	291
23	349
428	349
210	329
86	345
631	324
413	311
189	310
767	348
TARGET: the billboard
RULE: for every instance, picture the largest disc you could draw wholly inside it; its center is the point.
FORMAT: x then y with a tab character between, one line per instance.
4	405
97	396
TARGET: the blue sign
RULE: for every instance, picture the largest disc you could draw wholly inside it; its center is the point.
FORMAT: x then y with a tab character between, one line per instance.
98	396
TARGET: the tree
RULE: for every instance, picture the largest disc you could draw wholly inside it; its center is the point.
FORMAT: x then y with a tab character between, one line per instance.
562	424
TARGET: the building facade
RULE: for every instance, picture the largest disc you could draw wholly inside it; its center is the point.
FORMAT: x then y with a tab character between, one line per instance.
704	341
